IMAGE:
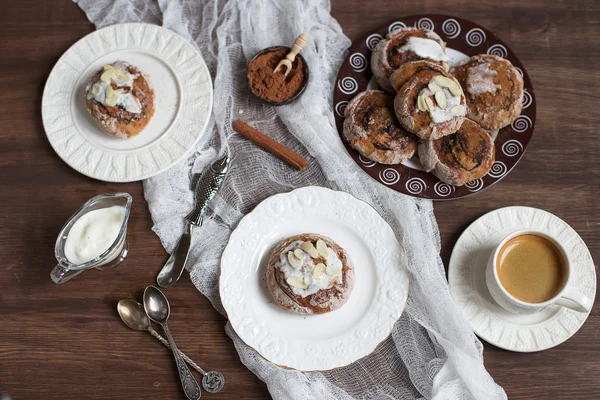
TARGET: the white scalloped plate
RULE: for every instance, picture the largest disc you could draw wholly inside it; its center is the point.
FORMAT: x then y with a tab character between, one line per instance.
466	275
183	90
315	342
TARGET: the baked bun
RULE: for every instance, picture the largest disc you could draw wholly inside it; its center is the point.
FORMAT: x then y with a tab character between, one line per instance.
459	158
309	274
372	129
494	90
404	72
404	45
430	104
120	100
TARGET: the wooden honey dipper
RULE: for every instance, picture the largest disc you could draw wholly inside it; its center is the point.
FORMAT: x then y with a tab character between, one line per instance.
299	44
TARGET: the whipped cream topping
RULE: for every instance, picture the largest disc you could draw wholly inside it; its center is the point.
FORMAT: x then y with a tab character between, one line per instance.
123	79
308	263
480	79
425	48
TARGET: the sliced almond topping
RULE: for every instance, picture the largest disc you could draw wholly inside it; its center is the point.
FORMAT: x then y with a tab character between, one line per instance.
444	81
319	270
96	89
440	98
433	87
421	104
430	105
107	67
293	260
455	90
322	248
121	74
107	75
333	271
458	110
299	254
310	249
296	282
308	279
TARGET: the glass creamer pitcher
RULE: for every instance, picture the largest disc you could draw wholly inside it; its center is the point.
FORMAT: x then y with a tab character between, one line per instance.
113	256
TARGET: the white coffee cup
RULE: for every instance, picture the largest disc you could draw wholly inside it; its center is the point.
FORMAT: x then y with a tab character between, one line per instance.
568	296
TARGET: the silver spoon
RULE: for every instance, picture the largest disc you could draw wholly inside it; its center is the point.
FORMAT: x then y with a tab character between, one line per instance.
158	310
133	315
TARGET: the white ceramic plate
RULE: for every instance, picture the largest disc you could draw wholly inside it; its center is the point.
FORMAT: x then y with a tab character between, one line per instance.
183	91
315	342
466	275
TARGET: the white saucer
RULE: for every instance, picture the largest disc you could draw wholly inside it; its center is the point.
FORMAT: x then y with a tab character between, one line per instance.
466	276
325	341
183	92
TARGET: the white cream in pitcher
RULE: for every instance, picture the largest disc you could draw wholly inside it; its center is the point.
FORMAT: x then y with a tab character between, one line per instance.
93	233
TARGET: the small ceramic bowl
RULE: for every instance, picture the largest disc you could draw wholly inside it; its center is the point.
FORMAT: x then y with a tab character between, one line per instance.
294	97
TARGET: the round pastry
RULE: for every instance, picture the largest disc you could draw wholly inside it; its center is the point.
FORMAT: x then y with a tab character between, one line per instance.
120	100
309	274
431	104
372	129
404	45
404	72
461	157
494	90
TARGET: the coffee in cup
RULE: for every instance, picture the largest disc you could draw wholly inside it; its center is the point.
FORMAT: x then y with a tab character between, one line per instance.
531	268
530	271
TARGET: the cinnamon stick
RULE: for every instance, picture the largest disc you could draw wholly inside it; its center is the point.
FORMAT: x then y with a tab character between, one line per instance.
270	145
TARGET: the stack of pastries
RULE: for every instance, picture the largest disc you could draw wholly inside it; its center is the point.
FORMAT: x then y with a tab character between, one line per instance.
426	108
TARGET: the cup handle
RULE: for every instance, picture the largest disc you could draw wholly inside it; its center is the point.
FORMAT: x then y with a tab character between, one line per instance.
60	274
574	300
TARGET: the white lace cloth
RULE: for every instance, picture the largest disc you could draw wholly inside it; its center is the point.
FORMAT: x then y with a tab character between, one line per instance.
432	352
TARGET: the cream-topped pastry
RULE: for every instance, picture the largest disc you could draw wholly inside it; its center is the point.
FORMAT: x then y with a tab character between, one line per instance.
309	274
431	104
494	89
120	99
406	45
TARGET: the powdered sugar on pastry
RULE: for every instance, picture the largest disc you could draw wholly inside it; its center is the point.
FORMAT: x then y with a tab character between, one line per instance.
480	79
425	48
308	264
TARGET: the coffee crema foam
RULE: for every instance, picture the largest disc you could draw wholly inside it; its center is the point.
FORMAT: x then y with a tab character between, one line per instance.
531	268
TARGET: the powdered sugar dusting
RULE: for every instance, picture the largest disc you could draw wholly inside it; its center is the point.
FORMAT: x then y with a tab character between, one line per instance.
480	79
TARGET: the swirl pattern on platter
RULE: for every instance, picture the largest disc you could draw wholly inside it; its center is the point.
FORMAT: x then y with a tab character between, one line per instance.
520	70
358	62
443	189
340	108
396	25
527	99
425	23
498	170
348	85
366	162
521	124
451	28
475	37
474	186
415	185
372	40
498	50
389	176
512	147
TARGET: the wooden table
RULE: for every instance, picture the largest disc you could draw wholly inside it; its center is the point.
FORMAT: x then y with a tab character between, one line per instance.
68	342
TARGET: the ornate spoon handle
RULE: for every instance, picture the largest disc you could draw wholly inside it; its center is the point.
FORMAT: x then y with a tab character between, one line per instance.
189	383
181	353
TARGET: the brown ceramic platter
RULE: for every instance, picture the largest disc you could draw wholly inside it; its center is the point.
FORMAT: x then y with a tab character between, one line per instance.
464	39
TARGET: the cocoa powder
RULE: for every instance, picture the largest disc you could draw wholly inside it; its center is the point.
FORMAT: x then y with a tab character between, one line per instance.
271	86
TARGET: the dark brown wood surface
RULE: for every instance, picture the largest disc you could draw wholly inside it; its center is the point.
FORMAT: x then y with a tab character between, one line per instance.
68	342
